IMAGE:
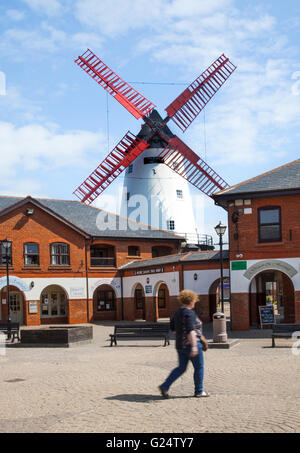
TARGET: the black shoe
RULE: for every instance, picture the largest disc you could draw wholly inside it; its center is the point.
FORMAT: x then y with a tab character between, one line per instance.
163	392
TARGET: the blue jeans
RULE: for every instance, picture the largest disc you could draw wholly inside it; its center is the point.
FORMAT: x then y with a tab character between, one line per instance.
198	364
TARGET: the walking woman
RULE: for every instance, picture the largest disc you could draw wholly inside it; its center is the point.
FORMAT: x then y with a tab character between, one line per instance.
190	344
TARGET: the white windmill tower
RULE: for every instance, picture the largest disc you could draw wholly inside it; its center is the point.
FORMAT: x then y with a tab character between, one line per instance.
153	193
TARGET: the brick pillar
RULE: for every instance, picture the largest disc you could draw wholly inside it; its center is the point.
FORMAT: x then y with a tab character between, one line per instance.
288	299
202	308
151	309
32	319
129	309
240	311
77	313
297	307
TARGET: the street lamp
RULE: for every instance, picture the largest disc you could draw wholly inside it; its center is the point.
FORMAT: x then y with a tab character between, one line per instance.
220	230
6	244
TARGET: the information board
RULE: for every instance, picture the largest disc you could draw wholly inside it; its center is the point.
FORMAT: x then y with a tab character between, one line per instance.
267	315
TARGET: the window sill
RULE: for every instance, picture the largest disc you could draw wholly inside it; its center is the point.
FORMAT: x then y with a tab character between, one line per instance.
62	267
31	267
266	244
101	268
136	257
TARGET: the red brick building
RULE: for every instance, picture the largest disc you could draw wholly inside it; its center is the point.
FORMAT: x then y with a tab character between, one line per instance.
65	259
264	242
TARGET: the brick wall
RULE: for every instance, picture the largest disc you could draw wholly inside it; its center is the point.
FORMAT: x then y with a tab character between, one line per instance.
247	242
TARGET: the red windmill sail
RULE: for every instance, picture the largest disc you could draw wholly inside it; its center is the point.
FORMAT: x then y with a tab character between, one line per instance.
126	151
187	106
131	99
181	159
178	156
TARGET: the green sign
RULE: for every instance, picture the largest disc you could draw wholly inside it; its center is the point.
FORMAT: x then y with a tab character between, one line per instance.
239	265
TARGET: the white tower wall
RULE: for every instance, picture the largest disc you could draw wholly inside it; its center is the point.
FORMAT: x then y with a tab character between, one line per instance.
155	195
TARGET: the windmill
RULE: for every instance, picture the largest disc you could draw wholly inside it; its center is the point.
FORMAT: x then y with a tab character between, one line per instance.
155	144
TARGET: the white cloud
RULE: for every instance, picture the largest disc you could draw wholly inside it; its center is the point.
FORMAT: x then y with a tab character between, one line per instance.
15	14
37	147
19	43
49	7
116	18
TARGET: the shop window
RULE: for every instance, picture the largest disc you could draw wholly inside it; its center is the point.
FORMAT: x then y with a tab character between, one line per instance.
133	250
60	254
158	250
31	254
105	299
53	302
102	256
269	224
162	298
153	160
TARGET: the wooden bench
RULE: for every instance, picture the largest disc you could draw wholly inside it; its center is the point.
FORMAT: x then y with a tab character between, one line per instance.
284	331
14	329
141	330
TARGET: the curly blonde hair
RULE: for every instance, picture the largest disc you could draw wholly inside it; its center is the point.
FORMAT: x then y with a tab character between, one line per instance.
187	297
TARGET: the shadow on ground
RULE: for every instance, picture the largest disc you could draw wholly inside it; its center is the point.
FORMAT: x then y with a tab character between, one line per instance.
140	398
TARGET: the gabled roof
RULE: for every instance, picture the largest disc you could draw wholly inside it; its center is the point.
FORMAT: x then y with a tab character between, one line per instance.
189	257
89	220
284	178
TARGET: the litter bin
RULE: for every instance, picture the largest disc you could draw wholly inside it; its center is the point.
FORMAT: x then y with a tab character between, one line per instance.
219	328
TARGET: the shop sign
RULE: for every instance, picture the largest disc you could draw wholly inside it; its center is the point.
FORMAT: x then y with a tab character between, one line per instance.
33	307
148	289
157	270
77	292
238	265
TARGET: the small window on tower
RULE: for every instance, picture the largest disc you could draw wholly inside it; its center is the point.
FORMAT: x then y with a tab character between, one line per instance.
179	194
171	225
128	196
130	168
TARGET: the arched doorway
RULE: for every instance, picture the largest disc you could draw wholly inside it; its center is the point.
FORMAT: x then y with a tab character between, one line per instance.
16	304
104	303
139	302
162	301
215	297
272	287
54	305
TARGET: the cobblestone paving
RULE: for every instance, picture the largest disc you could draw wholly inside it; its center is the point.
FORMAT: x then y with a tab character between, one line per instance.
96	388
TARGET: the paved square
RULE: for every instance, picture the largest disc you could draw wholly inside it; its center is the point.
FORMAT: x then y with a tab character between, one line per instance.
96	388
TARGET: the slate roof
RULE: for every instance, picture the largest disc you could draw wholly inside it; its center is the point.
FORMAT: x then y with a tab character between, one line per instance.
87	219
286	177
179	257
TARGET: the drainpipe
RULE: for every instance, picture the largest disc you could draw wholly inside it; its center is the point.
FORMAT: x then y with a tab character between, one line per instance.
122	296
87	283
181	278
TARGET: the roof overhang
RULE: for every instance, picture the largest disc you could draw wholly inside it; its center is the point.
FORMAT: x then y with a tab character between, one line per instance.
44	208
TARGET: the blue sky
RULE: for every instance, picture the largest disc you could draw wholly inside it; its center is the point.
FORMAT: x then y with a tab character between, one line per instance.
53	118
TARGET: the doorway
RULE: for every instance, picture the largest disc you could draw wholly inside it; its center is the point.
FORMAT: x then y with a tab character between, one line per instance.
16	306
272	288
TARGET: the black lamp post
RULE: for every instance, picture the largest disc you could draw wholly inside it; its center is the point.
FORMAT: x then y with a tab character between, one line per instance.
6	244
220	230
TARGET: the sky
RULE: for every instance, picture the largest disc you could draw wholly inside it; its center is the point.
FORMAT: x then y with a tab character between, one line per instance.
57	124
